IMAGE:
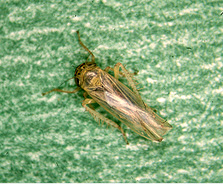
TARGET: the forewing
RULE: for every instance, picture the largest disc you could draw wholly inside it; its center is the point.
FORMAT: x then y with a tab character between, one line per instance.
122	103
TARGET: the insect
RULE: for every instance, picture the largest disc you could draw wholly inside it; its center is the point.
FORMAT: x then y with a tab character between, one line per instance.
117	99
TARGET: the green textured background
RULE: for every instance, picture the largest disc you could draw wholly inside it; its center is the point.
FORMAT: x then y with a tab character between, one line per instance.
175	45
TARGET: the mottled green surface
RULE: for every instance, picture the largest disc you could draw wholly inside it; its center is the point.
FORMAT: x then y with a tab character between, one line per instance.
175	45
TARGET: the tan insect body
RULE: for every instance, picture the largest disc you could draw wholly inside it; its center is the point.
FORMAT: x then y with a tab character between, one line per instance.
117	99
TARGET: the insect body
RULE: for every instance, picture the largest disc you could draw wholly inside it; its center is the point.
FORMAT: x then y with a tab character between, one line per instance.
117	99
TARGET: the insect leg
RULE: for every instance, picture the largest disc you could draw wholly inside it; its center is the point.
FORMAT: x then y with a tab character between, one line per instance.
108	68
62	91
81	43
128	77
85	96
99	117
121	73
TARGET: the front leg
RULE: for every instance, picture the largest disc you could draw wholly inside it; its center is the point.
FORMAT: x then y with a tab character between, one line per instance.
100	118
108	68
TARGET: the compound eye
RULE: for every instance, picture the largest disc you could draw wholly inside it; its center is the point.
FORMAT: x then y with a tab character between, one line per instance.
77	81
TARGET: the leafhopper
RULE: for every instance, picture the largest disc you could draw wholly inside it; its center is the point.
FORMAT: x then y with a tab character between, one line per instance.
117	99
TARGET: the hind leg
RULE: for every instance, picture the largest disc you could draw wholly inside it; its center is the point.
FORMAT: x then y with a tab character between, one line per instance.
100	118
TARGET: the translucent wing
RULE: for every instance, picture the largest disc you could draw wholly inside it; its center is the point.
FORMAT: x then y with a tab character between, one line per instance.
122	103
